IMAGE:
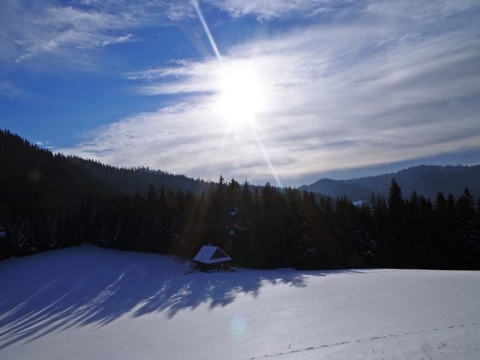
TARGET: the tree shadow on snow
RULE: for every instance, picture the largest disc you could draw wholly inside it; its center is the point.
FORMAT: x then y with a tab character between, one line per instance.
214	289
89	286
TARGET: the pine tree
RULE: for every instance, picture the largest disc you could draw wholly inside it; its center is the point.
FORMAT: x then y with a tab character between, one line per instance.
397	250
380	229
469	242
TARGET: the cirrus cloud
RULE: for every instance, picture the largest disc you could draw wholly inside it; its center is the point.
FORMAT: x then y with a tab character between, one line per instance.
71	33
368	92
351	84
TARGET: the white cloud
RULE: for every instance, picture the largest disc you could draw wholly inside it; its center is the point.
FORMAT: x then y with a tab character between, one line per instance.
364	92
39	32
279	9
47	32
420	10
70	35
180	141
266	10
11	90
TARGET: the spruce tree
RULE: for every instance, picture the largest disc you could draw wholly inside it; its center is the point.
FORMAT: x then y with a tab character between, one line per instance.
397	251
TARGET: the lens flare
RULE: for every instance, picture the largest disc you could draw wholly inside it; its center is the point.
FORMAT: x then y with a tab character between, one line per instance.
238	327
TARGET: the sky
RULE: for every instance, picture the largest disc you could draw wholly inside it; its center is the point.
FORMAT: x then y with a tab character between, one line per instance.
280	91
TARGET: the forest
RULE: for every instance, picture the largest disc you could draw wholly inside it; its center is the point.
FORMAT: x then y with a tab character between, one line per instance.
50	201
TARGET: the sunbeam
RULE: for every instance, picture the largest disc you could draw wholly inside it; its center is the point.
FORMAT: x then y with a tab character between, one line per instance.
265	155
240	97
207	31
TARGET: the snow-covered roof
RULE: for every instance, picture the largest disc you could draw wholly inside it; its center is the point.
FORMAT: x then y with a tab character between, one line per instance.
209	254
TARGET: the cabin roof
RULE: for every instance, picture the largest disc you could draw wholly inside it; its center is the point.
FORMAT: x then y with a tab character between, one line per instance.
209	254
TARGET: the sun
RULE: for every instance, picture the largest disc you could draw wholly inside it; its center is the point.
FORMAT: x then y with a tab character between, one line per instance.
241	95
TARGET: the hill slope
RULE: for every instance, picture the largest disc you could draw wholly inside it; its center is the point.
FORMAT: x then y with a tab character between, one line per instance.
35	177
90	303
30	167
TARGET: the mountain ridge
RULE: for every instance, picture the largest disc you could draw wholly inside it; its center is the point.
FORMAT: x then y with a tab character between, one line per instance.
28	161
425	180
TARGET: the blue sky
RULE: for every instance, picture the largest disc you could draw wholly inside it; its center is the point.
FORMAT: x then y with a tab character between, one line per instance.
280	91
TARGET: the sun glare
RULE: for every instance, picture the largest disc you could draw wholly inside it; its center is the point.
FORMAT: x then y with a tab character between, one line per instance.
241	95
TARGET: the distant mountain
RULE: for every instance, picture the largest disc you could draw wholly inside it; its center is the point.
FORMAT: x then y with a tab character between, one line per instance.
335	188
425	180
30	172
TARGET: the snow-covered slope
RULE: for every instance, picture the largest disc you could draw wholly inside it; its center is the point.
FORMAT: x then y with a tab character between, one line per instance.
89	303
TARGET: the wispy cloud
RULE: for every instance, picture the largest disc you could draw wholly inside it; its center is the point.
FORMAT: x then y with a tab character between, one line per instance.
267	10
280	9
11	90
39	33
383	86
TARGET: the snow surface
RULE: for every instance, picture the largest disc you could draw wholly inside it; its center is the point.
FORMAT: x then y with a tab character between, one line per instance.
90	303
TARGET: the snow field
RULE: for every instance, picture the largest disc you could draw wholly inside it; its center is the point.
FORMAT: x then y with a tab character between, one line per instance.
90	303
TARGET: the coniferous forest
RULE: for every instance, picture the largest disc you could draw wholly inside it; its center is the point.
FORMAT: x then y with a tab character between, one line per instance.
50	201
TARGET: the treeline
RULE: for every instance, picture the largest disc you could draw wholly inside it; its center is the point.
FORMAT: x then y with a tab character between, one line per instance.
264	228
48	203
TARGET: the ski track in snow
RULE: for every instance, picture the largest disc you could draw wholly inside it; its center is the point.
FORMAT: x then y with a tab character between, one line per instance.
317	347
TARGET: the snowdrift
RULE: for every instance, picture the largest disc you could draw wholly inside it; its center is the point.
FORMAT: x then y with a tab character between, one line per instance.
90	303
